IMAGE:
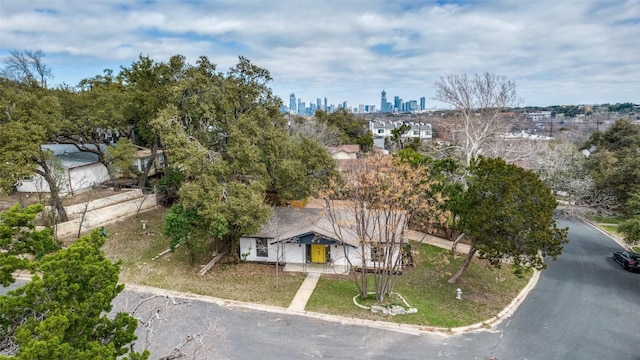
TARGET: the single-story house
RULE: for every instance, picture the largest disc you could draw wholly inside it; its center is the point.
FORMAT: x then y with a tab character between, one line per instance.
306	239
77	171
344	152
80	170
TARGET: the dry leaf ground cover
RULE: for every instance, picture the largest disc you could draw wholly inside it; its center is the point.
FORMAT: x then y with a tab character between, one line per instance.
136	247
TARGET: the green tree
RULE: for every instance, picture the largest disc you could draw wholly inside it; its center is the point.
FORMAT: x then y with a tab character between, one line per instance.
615	164
30	117
233	147
397	135
352	128
91	111
449	184
61	313
150	87
184	227
630	228
18	238
508	215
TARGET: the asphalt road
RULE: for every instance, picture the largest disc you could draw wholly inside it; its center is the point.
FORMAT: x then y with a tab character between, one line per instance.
584	307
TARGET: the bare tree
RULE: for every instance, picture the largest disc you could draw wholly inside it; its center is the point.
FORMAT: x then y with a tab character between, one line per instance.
274	226
157	314
315	130
27	66
521	151
479	103
372	210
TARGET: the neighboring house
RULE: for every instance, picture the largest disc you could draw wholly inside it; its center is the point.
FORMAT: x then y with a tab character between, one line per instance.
302	239
344	152
539	115
142	157
383	129
76	170
524	136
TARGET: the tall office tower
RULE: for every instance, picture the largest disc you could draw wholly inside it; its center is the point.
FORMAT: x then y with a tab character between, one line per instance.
319	103
326	108
292	102
344	105
397	103
383	101
423	103
302	107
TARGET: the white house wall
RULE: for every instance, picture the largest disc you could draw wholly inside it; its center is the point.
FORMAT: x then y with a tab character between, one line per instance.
82	177
34	185
295	253
87	176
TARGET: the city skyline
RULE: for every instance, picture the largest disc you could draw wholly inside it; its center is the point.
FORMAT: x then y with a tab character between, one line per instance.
557	52
398	105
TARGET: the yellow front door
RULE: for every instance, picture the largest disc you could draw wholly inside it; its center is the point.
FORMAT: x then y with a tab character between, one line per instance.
318	254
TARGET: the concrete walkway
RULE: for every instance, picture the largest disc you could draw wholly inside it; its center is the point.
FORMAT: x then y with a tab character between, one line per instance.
299	301
436	241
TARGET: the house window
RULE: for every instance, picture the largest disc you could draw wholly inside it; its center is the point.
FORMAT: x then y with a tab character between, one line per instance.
262	248
377	252
380	131
416	132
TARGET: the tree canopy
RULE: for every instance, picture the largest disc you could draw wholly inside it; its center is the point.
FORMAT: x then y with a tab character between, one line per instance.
61	313
615	164
508	216
30	116
228	138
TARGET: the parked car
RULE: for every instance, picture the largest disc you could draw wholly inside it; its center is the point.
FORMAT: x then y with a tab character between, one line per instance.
628	260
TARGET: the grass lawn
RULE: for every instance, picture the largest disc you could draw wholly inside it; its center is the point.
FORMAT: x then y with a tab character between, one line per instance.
425	287
614	220
136	248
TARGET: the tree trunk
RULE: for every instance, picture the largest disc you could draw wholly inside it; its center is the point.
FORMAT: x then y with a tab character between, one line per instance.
455	244
54	191
465	265
147	168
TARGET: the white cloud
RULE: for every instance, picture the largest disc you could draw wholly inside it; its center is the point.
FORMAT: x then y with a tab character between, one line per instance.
556	51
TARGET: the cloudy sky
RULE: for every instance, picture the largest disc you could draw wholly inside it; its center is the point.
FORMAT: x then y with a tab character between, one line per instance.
557	51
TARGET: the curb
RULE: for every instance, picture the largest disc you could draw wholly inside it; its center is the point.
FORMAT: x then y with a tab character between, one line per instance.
507	311
384	325
617	239
377	324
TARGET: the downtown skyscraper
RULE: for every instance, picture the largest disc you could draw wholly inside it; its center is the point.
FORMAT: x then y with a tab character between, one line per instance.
292	102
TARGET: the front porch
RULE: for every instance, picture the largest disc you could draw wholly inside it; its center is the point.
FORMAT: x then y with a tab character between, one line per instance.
326	268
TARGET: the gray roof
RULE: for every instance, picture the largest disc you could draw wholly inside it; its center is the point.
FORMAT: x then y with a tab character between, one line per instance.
69	155
289	223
